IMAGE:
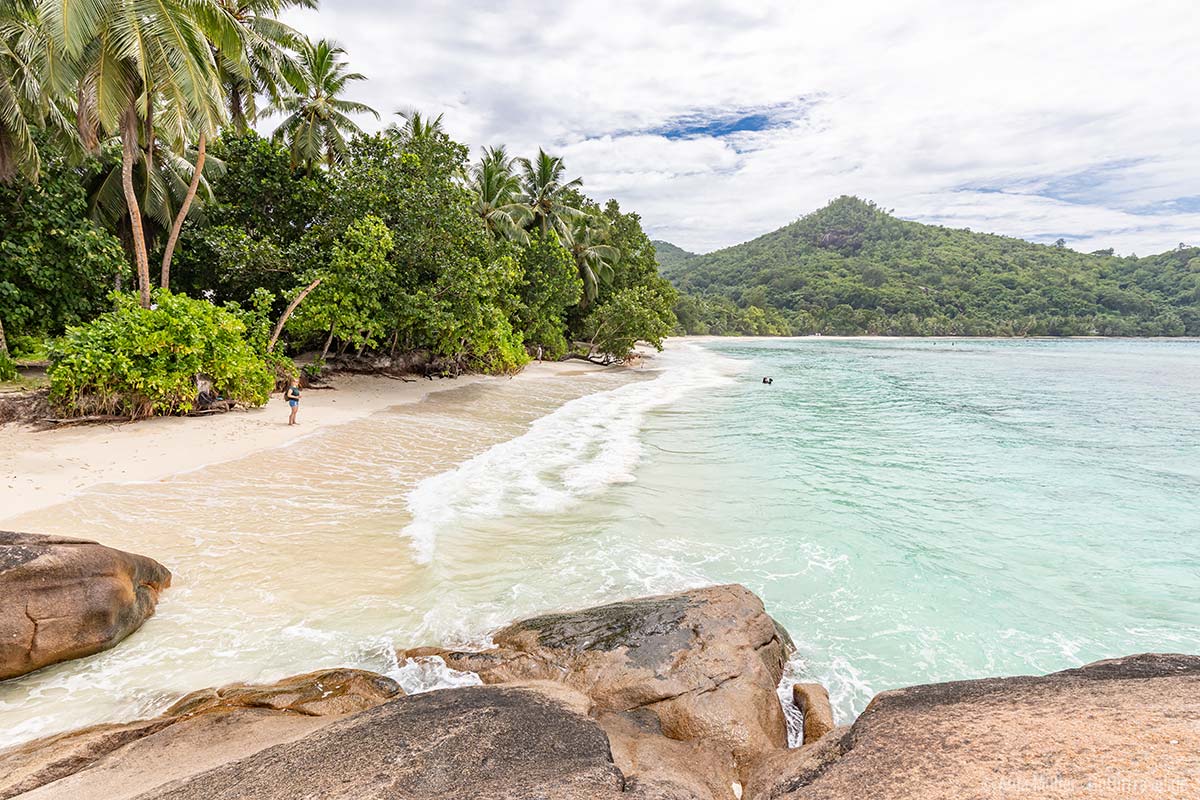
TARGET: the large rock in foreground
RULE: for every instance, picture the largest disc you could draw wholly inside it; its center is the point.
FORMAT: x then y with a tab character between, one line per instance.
1111	730
703	664
67	598
202	731
494	742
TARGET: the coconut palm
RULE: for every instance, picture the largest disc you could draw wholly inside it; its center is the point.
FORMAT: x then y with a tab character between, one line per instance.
417	127
124	58
25	100
164	179
316	126
543	192
267	61
256	61
497	196
595	260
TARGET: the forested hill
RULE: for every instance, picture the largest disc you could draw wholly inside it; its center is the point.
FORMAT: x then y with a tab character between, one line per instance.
670	257
853	268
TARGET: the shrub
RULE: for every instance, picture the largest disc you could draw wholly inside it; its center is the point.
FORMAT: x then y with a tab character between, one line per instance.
139	362
8	370
257	319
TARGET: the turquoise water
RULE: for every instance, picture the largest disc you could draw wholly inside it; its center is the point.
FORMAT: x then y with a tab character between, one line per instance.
921	510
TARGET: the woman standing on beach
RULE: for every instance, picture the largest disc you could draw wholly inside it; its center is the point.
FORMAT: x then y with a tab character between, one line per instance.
293	398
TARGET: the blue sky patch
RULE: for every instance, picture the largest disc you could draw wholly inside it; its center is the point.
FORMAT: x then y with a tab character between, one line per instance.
721	123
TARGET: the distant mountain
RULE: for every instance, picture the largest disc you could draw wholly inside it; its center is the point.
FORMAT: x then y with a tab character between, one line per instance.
853	268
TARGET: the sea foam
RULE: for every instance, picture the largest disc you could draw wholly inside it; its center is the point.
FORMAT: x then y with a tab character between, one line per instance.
575	452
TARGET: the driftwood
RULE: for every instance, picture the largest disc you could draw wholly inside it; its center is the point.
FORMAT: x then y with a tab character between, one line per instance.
64	421
607	361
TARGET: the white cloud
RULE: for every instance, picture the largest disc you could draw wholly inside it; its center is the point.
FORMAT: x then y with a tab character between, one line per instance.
1079	113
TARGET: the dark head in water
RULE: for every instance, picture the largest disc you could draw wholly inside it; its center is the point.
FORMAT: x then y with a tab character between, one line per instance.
768	380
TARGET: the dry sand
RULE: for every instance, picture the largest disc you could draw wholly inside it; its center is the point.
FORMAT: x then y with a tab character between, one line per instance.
43	468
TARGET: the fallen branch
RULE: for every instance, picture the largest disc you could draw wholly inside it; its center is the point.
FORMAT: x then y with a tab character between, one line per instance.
61	421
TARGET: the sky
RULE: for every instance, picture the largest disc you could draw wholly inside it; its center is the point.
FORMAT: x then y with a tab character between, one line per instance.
721	121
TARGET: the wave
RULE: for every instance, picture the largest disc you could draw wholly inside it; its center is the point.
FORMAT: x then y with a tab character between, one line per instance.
577	451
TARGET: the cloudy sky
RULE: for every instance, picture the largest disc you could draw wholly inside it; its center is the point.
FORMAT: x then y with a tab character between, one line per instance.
720	121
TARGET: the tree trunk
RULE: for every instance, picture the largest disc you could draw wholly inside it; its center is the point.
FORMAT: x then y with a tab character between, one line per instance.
236	113
148	135
177	226
85	120
288	312
328	341
129	141
3	341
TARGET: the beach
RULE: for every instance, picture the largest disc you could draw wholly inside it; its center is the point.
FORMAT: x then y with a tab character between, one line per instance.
308	547
40	468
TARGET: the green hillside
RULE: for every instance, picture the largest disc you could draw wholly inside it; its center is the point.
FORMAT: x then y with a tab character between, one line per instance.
670	256
853	268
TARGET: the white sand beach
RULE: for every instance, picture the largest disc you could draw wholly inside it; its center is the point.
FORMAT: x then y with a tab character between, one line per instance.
40	468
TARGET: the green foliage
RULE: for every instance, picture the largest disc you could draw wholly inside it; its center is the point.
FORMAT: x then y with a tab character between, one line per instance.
348	302
251	237
138	362
313	369
29	348
56	267
550	285
316	124
259	324
852	268
8	369
634	314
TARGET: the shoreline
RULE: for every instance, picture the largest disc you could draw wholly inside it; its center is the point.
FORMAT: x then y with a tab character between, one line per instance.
42	468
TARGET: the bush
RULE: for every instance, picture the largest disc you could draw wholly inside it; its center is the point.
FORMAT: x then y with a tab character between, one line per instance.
631	315
140	362
8	370
257	319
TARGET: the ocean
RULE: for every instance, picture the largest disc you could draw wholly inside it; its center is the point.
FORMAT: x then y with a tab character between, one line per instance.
910	510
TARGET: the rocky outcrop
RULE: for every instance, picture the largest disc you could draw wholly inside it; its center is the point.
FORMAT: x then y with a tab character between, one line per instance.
67	598
1116	729
496	742
200	732
703	665
663	698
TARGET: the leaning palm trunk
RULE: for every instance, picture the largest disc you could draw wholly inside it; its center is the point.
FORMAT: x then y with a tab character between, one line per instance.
129	140
177	226
288	312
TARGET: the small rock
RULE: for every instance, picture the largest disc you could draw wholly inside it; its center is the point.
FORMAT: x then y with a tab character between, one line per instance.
813	701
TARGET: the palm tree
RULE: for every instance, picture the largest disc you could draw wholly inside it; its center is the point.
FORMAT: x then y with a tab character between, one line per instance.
267	63
544	193
167	180
125	56
317	123
256	61
593	258
417	127
497	196
25	100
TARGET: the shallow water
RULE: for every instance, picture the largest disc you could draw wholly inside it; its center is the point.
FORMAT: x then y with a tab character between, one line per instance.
911	510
